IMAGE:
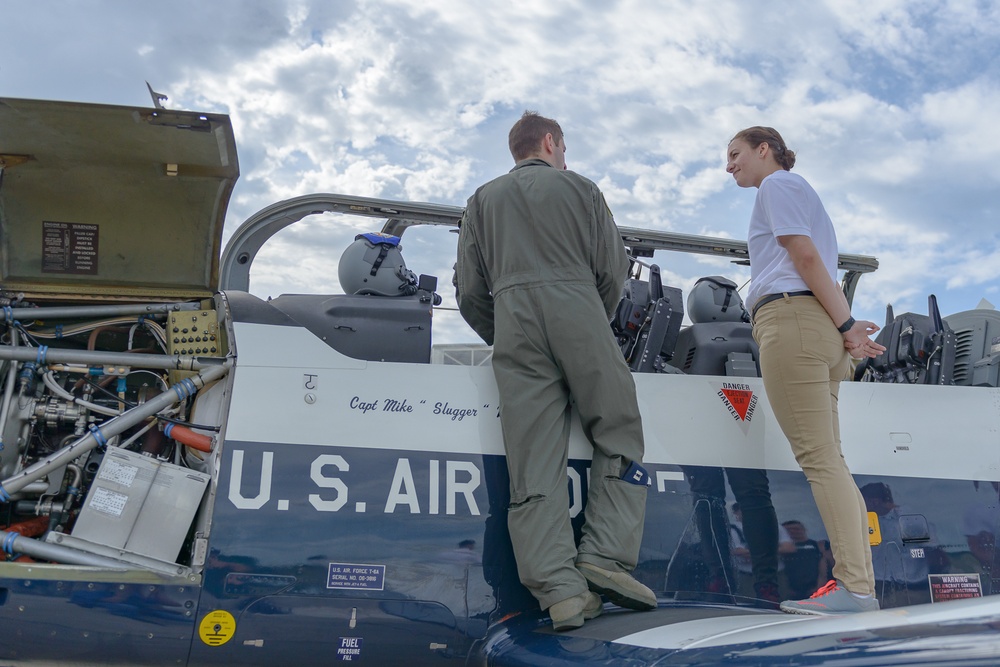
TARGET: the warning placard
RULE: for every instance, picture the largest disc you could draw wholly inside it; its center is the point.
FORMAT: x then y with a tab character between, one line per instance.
69	247
217	628
955	586
740	401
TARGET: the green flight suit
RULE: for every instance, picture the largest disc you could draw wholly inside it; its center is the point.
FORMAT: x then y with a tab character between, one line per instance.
540	271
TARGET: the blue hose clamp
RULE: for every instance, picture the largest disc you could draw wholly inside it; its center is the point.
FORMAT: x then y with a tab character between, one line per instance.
8	542
102	442
185	388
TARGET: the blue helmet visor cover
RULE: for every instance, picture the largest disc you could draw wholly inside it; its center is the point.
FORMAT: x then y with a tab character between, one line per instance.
378	238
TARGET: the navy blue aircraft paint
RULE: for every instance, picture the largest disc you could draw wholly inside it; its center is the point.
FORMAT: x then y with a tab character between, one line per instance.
191	475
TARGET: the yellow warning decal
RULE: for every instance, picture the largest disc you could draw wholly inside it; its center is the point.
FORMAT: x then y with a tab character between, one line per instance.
874	532
217	628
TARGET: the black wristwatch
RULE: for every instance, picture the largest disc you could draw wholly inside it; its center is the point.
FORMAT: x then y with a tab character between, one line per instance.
846	326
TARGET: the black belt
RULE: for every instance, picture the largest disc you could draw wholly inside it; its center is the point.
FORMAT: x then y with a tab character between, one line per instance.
768	298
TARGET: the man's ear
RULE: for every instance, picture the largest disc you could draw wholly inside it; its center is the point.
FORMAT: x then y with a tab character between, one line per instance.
549	144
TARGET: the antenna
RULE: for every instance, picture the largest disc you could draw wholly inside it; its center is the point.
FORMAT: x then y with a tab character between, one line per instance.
157	97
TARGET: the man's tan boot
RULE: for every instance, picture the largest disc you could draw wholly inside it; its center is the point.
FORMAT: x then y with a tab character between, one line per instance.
621	587
572	612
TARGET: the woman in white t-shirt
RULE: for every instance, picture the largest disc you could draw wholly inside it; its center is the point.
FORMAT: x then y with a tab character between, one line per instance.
803	325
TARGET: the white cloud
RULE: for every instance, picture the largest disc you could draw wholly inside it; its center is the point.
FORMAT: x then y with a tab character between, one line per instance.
967	139
889	104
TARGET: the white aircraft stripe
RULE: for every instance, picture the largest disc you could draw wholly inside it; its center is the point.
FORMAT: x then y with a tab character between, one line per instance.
313	395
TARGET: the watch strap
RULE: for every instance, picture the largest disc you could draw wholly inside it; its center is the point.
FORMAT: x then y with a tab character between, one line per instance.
846	326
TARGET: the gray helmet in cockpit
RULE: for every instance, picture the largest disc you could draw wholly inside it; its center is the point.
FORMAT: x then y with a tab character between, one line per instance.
374	264
715	299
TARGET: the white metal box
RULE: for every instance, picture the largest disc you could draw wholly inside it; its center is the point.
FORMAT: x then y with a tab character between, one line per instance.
141	505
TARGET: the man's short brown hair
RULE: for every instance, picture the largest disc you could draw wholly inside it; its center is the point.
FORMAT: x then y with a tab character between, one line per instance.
527	134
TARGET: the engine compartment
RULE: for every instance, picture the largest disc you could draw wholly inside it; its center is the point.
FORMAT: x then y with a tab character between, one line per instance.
110	417
110	335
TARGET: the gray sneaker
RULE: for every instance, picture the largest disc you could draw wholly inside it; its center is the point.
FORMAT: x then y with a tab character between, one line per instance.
830	600
572	612
621	587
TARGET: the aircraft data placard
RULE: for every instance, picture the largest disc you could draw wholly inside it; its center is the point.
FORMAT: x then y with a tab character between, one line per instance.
357	577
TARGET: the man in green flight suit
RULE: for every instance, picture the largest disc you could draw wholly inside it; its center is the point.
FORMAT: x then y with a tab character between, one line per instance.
540	270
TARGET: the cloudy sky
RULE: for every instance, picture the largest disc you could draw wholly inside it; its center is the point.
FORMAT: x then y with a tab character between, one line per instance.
891	106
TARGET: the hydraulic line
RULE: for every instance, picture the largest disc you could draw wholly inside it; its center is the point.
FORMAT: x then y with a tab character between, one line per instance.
77	312
30	528
45	354
184	435
73	489
67	331
99	436
53	386
13	542
9	389
34	489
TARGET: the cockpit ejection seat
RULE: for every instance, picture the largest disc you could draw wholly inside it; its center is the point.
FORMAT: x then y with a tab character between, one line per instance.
719	340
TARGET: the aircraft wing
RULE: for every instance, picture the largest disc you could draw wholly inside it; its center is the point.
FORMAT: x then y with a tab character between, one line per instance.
957	633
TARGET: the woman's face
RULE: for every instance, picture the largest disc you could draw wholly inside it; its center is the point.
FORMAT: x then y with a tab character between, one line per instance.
745	164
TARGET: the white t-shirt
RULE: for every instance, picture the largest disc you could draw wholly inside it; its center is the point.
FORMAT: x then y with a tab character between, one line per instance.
786	205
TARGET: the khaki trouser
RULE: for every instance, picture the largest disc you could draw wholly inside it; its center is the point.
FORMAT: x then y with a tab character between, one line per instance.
554	343
802	361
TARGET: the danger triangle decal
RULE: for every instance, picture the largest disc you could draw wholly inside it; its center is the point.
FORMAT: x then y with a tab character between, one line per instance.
741	402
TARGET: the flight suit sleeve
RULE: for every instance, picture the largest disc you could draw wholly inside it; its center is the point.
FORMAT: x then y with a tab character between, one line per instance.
610	259
472	288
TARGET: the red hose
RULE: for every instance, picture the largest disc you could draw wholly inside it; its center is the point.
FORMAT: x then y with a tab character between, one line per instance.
31	527
186	436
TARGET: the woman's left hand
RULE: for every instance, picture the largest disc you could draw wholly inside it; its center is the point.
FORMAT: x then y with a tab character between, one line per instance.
858	343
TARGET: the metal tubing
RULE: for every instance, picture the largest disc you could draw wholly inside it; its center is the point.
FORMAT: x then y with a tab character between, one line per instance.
9	390
53	552
36	488
110	428
49	380
95	358
74	312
